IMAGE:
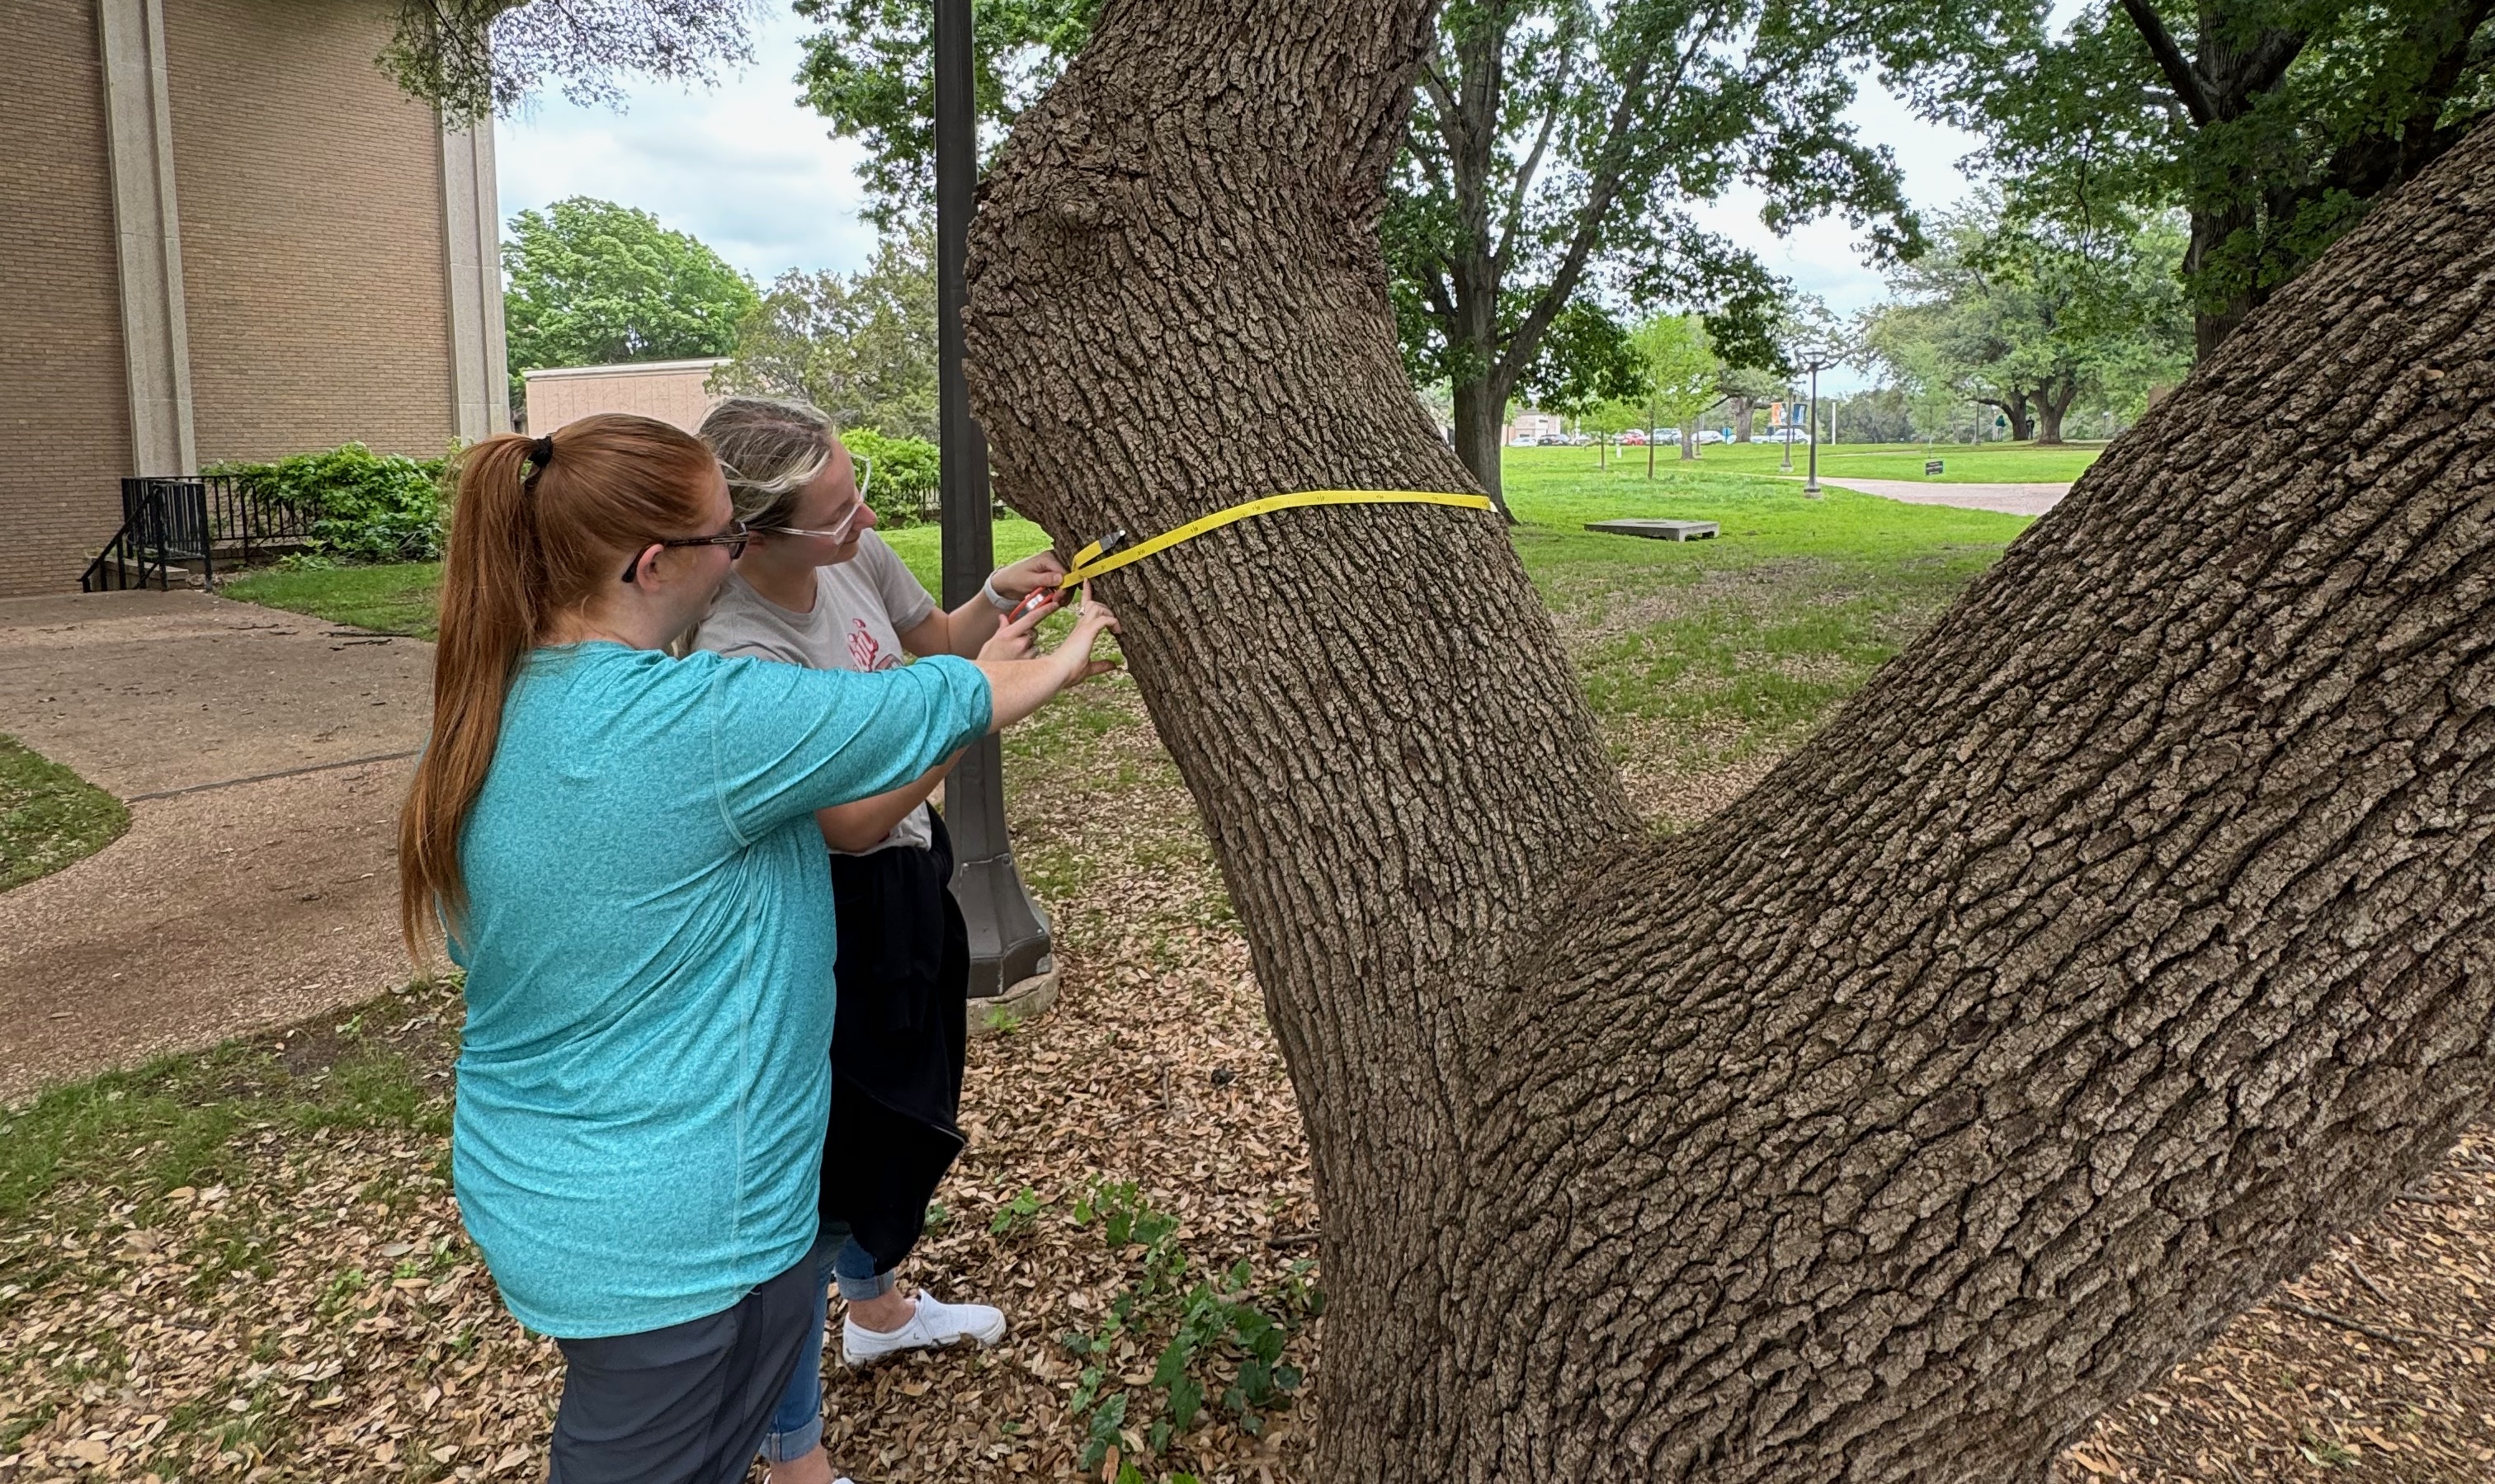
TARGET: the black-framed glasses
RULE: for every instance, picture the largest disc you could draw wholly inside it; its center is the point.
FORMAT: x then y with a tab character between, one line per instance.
734	539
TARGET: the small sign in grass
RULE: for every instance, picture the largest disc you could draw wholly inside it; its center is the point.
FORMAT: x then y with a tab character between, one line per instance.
48	815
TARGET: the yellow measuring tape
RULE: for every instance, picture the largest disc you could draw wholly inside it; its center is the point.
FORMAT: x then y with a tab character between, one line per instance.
1089	563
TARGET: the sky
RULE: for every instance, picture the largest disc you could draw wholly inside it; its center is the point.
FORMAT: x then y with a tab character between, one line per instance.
748	169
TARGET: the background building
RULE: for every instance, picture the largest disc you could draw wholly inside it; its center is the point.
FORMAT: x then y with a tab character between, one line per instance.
224	233
670	390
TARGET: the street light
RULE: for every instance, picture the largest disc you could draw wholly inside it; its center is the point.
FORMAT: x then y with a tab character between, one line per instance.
1814	355
1009	946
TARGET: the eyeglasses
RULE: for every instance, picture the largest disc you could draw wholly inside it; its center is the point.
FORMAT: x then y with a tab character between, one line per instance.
848	524
733	539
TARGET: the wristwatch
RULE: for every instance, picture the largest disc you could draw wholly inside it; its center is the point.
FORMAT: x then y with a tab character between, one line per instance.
1002	604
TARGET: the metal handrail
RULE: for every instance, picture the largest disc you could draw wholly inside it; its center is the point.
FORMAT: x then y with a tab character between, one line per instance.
171	518
141	542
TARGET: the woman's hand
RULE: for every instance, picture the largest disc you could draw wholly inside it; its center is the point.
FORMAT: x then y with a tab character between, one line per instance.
1017	688
1093	621
1038	569
1016	641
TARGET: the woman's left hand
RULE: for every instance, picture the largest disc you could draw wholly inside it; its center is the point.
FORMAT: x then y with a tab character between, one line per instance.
1039	570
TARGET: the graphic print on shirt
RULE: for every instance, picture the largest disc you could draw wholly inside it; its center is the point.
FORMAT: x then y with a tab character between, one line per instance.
866	652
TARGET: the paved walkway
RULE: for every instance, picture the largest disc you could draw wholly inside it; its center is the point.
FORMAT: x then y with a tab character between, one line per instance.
2009	498
264	755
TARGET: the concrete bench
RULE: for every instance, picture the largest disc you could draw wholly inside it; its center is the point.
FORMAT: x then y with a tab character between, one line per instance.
1659	529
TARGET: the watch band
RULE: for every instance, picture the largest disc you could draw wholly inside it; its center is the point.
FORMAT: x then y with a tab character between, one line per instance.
999	601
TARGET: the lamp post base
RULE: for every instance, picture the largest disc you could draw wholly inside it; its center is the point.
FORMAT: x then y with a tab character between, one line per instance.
1017	1005
1008	930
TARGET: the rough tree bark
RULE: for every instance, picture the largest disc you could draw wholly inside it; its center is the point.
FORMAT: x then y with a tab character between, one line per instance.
2123	940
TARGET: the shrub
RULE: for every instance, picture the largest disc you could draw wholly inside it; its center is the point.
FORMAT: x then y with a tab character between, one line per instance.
905	474
365	506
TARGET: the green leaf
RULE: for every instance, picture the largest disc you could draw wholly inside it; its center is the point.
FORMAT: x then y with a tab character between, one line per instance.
1186	1400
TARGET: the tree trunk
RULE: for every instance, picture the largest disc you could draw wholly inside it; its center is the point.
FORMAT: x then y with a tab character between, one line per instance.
2213	323
2053	403
2127	936
1479	407
1688	442
1743	409
2014	408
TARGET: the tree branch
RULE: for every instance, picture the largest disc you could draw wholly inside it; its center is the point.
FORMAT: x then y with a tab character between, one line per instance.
2171	60
1567	44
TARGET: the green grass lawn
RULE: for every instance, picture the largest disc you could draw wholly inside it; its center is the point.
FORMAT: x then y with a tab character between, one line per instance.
1738	640
393	598
1996	463
48	815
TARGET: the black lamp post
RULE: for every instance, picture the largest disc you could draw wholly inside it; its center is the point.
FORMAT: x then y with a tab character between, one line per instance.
1813	353
1810	483
1008	934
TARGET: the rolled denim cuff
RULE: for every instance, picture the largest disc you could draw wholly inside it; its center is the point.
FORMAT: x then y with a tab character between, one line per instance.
873	1286
786	1447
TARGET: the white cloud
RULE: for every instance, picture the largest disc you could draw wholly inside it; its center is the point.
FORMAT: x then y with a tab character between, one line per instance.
743	166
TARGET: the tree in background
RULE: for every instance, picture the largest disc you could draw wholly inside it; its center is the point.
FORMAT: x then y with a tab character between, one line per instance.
861	347
1882	415
2275	124
2025	316
589	283
1681	372
1748	388
1547	164
1607	422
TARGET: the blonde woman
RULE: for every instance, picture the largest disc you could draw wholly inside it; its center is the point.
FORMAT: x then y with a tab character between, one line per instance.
819	588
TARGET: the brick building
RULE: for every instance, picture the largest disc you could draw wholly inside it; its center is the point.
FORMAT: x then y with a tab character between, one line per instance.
224	233
676	391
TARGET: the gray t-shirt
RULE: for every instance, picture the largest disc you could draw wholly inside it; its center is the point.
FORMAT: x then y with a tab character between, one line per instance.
862	608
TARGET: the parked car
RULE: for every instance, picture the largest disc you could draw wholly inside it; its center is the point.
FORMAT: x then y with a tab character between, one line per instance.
1707	436
1633	438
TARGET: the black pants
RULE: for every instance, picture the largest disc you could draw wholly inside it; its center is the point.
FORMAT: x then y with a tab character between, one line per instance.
688	1403
898	1043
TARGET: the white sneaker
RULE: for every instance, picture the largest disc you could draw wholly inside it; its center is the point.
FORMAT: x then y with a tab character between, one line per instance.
934	1325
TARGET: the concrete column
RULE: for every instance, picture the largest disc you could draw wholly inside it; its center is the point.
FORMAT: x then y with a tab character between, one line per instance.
156	342
471	227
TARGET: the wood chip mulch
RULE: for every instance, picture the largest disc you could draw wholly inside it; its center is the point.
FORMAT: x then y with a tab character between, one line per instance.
318	1315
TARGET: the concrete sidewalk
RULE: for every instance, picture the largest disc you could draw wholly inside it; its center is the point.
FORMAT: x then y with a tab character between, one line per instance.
264	755
2008	499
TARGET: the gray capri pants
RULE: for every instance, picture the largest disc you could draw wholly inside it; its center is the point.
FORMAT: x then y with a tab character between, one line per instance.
688	1403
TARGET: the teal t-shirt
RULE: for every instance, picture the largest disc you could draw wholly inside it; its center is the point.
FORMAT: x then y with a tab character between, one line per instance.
645	1072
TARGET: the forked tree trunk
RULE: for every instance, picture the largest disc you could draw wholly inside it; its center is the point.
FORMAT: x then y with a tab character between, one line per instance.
2054	404
2122	942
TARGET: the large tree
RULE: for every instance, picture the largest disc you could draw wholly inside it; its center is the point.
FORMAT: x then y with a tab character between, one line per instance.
2127	936
2277	124
1546	174
2124	939
589	283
